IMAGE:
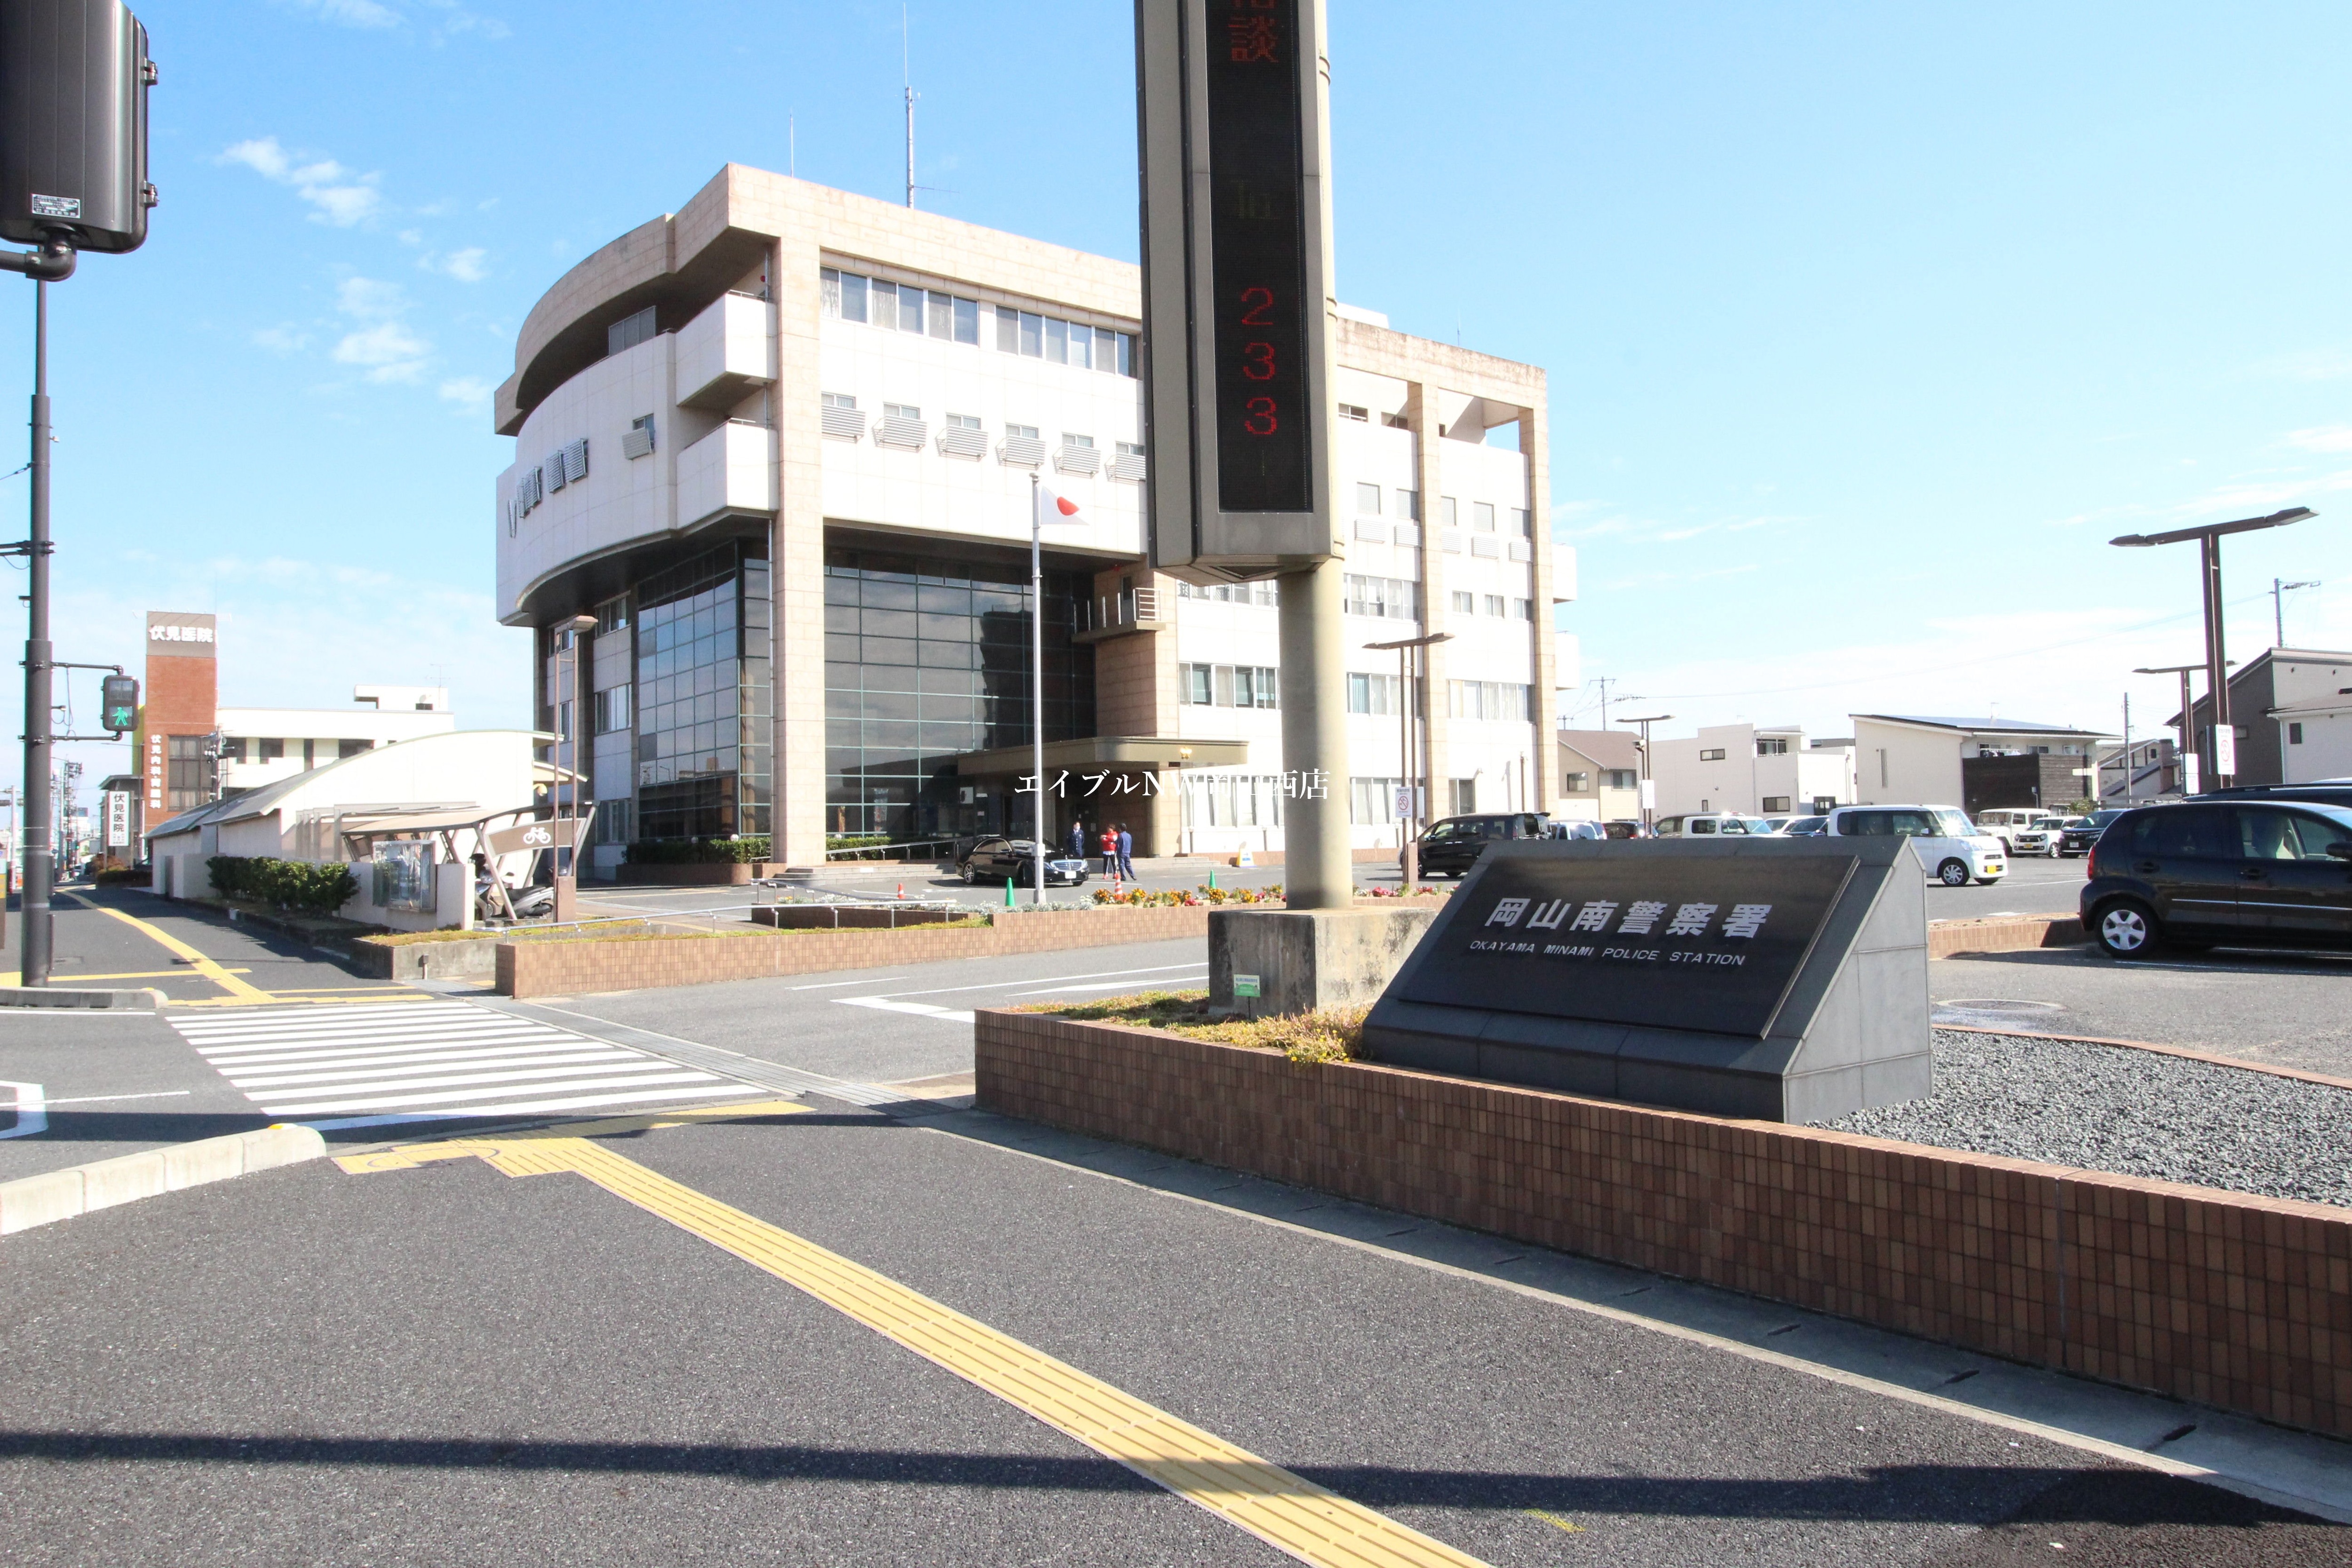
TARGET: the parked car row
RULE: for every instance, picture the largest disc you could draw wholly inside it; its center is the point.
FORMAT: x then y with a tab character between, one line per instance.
1949	846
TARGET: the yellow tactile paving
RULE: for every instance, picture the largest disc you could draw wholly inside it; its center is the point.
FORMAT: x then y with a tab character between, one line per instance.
1288	1512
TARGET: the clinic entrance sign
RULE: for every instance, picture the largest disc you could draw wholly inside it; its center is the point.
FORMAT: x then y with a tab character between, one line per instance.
1781	979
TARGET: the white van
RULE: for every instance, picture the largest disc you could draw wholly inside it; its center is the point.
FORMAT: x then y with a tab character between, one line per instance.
2006	822
1947	844
1699	824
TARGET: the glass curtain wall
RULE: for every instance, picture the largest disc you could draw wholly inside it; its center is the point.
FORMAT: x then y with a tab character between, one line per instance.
927	656
703	696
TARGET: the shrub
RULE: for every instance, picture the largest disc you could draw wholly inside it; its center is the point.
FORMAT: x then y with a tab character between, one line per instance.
1330	1034
117	875
309	886
701	851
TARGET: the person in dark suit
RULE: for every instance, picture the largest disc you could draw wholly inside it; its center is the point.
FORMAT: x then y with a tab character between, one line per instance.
1075	845
1126	853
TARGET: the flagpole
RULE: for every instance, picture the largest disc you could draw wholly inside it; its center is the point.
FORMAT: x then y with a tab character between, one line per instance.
1037	686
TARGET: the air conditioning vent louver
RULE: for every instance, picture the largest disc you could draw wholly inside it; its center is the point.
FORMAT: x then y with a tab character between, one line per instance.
1023	451
1073	460
844	424
962	442
909	433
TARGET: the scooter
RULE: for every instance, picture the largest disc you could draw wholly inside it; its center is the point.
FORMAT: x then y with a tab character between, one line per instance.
530	903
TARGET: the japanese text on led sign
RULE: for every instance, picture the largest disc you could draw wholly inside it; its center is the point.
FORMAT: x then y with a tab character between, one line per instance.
1257	245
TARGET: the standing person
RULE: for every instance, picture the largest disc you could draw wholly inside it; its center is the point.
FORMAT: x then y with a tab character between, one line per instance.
1076	845
1126	853
1109	846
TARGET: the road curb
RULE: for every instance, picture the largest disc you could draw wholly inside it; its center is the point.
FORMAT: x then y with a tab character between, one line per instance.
102	1183
146	999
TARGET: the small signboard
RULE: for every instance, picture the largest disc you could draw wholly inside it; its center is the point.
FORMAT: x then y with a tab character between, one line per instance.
118	819
557	833
1246	985
1784	979
1683	943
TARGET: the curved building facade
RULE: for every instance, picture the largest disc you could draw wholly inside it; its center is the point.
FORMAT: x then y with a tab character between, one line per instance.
780	446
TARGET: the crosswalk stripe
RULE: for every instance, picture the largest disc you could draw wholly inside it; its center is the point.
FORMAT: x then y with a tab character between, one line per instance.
432	1059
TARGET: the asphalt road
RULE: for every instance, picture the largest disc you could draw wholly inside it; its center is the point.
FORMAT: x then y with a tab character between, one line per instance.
449	1363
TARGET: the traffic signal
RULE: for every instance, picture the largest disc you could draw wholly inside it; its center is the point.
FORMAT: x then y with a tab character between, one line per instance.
74	76
118	703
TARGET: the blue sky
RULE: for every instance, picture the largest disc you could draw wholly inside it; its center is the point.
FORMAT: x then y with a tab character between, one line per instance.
1865	330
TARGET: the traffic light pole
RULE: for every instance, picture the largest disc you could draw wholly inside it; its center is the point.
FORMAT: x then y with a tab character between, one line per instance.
40	848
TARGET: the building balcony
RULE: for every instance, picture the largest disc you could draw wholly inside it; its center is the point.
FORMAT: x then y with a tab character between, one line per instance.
733	469
725	353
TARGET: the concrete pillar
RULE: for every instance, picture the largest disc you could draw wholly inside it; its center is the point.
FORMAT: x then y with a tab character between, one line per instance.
1422	414
1543	758
1318	868
796	557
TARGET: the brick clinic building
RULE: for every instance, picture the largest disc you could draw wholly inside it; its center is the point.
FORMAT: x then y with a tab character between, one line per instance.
180	699
780	446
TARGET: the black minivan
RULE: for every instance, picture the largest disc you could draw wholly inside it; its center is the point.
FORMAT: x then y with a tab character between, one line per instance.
1452	846
2247	873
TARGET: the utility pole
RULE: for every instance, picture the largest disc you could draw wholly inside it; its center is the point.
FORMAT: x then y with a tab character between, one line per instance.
2279	591
906	74
1649	794
2224	753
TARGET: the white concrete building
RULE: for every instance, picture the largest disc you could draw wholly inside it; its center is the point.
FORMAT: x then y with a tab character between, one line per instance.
780	446
2314	738
1755	770
1902	759
263	746
470	773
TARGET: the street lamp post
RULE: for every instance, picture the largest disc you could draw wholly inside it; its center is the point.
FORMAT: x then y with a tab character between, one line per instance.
2224	744
1405	648
1648	811
2188	743
567	803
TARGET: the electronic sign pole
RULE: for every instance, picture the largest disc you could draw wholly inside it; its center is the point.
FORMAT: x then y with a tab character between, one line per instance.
1238	312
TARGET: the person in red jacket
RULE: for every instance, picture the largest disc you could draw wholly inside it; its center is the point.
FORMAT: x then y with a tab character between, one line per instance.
1110	844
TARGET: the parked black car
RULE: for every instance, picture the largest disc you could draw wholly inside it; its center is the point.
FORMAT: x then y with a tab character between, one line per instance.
1016	860
2326	792
2248	873
2084	834
1452	846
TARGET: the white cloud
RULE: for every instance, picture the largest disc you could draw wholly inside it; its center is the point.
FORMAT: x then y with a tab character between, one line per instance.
351	13
470	393
370	299
284	340
341	197
2322	439
388	351
467	266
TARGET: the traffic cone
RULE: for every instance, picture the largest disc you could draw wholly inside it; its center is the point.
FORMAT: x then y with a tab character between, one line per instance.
1212	879
902	889
1008	892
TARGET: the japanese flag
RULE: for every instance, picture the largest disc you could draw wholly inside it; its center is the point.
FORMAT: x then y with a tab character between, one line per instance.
1053	507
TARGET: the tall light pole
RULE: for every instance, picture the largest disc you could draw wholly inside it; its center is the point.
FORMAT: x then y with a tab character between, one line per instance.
1407	704
2189	762
2225	752
2279	591
1649	807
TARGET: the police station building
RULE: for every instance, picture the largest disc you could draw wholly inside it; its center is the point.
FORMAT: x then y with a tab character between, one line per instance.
780	446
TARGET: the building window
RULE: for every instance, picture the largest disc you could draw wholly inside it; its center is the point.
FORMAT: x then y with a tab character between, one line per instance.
1465	604
1775	802
1482	515
1367	499
1524	609
1196	684
613	614
1491	700
1491	604
1466	796
1395	422
1398	598
1447	510
612	822
1228	685
612	710
1576	784
1253	686
189	775
231	749
1622	778
1406	505
1355	412
1523	523
1711	754
1771	746
1033	335
351	748
1369	693
629	330
699	696
2295	735
270	748
1372	801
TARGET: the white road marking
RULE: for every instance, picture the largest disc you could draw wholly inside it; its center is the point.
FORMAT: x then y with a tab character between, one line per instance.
919	1009
98	1099
1053	980
367	1062
1109	985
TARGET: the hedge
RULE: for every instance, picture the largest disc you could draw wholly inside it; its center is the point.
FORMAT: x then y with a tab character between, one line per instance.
701	851
305	885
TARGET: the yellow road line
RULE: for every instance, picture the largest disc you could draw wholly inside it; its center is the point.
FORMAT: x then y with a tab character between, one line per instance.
140	975
1287	1511
197	962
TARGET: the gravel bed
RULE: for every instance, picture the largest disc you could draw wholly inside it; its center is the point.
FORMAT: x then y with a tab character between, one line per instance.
2135	1113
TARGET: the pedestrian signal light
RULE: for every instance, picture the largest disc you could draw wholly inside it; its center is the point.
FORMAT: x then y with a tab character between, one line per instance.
119	701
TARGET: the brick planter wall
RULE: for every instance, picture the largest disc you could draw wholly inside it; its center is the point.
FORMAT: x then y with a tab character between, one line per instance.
568	968
2236	1301
2004	933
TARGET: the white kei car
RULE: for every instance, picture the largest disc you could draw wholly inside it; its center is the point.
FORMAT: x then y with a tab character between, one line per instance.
1950	847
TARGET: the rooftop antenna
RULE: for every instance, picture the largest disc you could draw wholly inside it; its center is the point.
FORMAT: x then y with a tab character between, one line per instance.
906	71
